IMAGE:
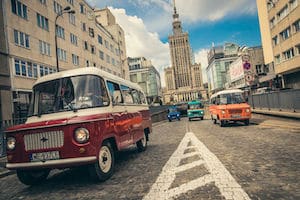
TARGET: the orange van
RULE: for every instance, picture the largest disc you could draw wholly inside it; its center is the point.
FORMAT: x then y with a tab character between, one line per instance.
229	105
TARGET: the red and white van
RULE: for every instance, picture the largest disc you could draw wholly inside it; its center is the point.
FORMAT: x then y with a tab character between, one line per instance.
229	105
78	117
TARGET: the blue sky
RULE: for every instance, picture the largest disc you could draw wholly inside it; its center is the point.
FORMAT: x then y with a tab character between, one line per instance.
147	24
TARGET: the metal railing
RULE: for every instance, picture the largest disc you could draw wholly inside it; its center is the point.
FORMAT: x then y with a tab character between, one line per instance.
284	100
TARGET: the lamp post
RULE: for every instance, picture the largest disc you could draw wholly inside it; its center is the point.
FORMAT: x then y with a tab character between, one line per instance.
65	10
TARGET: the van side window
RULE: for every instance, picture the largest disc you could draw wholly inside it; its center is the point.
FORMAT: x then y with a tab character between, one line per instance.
115	92
135	95
127	94
142	98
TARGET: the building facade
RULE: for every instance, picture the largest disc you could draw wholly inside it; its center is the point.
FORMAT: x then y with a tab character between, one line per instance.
280	33
184	78
219	61
142	72
28	49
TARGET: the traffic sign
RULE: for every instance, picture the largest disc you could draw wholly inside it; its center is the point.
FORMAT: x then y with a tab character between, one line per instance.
247	65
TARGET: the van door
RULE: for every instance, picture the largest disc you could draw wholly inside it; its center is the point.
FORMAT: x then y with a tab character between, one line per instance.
120	115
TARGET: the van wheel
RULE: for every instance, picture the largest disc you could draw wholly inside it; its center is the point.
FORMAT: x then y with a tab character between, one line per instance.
104	167
222	123
202	118
142	144
247	122
32	177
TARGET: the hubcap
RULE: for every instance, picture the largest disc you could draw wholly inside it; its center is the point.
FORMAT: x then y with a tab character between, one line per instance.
105	159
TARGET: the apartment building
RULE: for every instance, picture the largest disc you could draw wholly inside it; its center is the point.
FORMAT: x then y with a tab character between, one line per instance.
280	32
28	50
145	74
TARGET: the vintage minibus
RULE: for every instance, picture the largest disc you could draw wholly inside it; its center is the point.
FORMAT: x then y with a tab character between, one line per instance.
195	110
229	105
78	117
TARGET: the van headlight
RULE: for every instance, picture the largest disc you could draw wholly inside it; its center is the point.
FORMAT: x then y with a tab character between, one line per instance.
10	143
81	135
247	110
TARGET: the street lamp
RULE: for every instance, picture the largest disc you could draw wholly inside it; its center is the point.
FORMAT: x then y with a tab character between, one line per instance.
65	10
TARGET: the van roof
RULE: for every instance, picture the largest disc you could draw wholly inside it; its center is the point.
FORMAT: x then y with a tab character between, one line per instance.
87	71
227	92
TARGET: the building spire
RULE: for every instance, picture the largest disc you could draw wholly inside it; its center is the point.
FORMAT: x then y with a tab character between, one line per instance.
175	15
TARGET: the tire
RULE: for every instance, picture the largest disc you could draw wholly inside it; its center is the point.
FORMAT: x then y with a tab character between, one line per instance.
222	123
170	120
104	167
189	119
247	122
178	119
32	177
202	118
142	144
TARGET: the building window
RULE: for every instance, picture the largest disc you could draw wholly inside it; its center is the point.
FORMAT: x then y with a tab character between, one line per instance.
286	33
21	39
293	4
19	8
42	22
83	26
113	61
75	59
296	26
44	48
27	69
60	32
62	54
282	13
82	8
275	40
72	18
111	48
87	63
71	2
107	58
297	47
86	46
57	7
73	39
44	2
91	32
272	22
101	55
99	39
277	59
93	49
288	54
106	44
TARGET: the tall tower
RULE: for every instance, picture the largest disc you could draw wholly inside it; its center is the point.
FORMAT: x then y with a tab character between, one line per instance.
180	52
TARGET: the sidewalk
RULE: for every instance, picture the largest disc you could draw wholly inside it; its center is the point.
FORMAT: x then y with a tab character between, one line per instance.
294	115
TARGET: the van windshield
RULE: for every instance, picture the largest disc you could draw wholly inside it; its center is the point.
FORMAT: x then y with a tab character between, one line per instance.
231	98
67	94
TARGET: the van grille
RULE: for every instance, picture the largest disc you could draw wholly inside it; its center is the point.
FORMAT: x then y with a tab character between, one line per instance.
44	140
235	111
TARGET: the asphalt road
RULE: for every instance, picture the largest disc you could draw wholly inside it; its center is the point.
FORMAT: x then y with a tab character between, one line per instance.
189	160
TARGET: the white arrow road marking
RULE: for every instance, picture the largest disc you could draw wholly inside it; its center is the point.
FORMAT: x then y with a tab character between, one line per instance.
218	174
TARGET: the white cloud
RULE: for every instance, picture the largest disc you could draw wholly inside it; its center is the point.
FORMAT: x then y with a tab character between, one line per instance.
141	42
201	57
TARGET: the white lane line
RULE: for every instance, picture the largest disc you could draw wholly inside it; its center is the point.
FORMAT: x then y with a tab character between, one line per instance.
188	166
192	185
228	187
190	155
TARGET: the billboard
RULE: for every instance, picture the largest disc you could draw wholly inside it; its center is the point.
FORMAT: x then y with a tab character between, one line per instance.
236	70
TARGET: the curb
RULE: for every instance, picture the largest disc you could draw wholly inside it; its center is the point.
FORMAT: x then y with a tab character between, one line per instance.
291	115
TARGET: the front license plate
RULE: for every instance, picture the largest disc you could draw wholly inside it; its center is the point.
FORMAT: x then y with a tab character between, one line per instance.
51	155
236	116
